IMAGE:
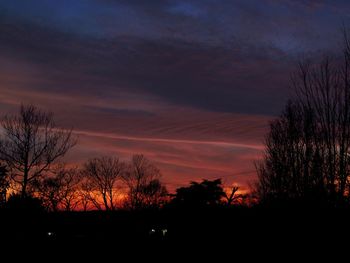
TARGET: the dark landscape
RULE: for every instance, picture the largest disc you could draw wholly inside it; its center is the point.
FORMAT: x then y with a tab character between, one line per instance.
174	130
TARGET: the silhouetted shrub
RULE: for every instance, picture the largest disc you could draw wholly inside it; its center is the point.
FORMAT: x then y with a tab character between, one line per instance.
200	195
28	204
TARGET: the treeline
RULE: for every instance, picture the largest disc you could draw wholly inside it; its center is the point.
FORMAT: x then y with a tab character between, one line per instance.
306	159
104	183
31	150
32	173
307	156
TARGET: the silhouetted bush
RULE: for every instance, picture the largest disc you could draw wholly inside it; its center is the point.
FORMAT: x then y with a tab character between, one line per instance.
199	195
28	204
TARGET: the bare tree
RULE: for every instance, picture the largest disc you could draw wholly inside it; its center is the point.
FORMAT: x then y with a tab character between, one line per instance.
69	191
31	143
89	198
48	190
4	184
294	164
101	176
281	174
230	195
154	194
59	191
86	198
144	188
308	148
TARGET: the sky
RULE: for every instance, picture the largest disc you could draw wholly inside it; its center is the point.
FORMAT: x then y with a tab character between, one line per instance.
190	84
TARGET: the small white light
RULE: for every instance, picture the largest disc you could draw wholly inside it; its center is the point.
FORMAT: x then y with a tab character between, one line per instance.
164	231
49	233
152	231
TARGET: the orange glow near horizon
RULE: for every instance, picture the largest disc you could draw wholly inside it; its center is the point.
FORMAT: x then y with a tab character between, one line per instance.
185	148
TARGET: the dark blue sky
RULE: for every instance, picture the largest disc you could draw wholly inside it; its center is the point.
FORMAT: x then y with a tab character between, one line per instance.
190	83
220	55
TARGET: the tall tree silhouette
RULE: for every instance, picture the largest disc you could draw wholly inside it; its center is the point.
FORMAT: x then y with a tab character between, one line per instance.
307	149
100	178
31	143
286	169
144	187
4	184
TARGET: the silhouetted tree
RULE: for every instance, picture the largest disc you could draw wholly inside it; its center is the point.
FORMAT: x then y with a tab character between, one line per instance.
154	194
31	143
69	191
4	184
307	148
88	197
231	195
144	188
204	194
60	190
100	178
49	189
283	173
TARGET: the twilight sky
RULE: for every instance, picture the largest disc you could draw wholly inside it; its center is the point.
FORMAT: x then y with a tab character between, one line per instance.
191	84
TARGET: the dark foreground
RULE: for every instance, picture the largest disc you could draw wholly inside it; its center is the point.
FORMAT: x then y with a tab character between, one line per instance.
175	233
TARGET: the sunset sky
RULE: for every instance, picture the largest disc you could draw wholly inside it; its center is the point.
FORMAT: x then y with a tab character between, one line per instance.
191	84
